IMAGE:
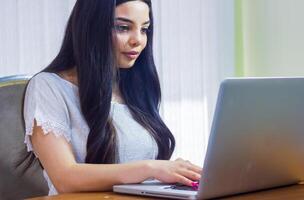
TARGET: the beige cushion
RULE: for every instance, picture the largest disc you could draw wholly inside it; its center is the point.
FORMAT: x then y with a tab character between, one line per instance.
14	183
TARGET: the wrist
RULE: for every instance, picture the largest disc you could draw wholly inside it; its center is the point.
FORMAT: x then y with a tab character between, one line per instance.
149	168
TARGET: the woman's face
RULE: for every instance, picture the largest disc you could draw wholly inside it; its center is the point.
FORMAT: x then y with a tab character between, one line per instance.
130	36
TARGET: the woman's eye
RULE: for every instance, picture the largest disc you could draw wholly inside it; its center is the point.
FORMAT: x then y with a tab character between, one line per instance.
145	30
122	28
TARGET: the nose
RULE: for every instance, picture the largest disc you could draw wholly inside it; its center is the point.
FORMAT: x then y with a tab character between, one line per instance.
136	38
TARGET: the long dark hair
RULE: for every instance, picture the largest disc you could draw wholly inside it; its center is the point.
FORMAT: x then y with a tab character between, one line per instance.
88	46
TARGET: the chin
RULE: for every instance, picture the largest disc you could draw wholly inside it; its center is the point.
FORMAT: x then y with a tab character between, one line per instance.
126	65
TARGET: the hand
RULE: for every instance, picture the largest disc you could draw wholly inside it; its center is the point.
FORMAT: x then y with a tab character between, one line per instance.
178	171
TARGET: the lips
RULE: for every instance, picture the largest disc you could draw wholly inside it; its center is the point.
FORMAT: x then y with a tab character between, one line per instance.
131	54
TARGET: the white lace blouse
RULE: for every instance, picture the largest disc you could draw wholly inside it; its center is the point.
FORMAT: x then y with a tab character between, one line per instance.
54	103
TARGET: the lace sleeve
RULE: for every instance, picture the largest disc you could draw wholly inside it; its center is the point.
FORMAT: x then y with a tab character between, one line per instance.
44	103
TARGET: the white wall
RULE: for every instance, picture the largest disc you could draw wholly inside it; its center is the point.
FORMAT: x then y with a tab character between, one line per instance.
195	51
30	33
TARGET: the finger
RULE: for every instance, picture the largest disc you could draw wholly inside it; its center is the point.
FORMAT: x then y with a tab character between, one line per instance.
193	167
183	180
190	174
187	164
196	168
190	166
179	159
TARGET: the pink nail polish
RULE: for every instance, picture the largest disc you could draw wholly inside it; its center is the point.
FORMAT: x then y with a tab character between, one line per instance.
195	185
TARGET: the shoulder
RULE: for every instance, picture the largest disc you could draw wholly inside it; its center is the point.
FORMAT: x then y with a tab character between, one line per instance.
47	82
45	95
45	85
43	79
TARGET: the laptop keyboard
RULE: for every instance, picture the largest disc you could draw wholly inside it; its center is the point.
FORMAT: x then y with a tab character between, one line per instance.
184	187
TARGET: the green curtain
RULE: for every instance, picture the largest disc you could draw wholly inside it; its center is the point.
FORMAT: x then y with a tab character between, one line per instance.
269	37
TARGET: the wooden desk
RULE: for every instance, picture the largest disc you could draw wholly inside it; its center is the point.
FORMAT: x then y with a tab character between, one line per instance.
295	192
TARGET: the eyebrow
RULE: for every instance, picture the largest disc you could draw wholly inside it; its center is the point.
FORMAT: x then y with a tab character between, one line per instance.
130	21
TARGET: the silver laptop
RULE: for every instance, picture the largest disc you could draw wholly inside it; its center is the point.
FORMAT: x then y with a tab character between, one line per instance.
256	141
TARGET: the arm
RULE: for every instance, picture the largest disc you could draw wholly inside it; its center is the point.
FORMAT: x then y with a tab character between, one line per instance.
69	176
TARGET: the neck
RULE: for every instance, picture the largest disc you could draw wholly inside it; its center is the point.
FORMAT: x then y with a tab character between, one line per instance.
116	95
70	75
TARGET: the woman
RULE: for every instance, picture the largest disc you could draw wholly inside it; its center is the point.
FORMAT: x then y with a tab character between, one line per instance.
92	115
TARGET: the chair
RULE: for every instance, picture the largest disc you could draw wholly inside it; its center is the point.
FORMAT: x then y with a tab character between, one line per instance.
15	181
